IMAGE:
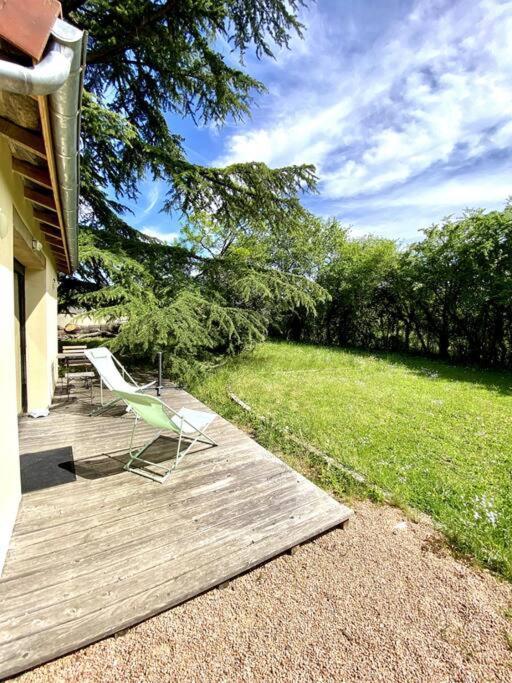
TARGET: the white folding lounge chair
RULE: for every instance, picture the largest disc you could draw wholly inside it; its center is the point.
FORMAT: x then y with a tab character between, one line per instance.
187	424
113	375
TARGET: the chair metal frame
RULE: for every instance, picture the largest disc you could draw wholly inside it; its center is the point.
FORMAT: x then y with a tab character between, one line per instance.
179	454
138	389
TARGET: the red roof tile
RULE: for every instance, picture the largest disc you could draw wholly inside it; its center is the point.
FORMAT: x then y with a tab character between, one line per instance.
27	24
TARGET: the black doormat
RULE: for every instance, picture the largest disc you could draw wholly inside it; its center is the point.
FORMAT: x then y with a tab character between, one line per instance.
44	469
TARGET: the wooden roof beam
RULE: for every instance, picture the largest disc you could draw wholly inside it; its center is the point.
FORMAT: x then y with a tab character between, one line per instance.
58	251
44	113
33	142
36	174
41	198
54	241
48	217
49	230
60	257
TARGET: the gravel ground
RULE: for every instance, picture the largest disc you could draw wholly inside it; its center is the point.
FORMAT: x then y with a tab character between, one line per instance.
375	603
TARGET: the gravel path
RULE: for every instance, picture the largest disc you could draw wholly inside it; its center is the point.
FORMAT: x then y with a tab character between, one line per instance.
374	603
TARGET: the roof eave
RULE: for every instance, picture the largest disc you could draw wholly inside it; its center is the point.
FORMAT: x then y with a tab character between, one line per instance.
59	75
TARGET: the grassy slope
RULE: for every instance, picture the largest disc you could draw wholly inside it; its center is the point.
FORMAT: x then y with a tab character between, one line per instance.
438	437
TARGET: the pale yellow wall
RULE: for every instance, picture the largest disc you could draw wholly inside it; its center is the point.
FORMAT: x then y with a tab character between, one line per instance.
41	334
51	324
40	314
10	490
37	304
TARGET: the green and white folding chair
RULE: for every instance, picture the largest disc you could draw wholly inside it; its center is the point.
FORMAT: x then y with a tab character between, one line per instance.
113	375
186	424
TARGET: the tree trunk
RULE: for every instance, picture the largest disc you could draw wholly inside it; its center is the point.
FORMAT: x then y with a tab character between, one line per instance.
444	342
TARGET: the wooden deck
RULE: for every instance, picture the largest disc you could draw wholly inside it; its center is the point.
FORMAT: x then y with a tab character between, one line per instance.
96	549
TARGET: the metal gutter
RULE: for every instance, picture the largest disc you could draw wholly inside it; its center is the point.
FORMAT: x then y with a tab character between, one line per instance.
65	114
59	75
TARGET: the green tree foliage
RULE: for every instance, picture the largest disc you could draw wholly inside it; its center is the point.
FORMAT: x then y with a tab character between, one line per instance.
461	290
197	308
301	245
449	294
359	278
150	61
247	257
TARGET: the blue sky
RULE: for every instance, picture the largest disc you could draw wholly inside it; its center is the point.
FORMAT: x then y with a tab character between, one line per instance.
405	108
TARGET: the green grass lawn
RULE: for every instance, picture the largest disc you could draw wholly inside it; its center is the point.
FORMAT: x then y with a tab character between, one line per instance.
437	436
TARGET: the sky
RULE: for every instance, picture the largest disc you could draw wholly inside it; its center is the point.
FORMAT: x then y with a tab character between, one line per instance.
404	107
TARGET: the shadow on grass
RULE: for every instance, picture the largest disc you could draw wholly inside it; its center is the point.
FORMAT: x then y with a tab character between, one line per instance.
499	381
491	379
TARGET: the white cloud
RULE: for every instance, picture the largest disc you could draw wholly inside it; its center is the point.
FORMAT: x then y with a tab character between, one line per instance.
155	231
150	194
466	192
486	190
403	212
152	197
432	94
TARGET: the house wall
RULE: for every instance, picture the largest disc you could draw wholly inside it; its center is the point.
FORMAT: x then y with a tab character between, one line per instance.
17	228
41	335
10	489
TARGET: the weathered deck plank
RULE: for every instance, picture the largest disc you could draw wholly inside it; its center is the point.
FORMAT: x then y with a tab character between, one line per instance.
93	556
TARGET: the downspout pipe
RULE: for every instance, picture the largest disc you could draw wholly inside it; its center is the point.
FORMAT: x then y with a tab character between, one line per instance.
43	78
59	75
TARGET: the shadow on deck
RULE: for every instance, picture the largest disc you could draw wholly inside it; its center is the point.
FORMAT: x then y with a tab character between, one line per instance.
96	549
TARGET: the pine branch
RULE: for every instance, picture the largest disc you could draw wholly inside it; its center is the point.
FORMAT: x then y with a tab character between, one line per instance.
130	40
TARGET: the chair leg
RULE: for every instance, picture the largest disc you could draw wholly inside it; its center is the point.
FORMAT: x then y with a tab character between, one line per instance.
160	478
207	440
166	470
136	457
